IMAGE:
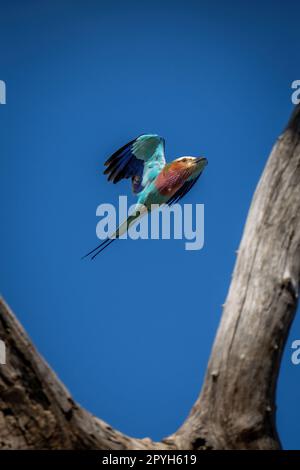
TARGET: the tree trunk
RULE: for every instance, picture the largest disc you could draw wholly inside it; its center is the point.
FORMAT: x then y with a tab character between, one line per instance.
236	407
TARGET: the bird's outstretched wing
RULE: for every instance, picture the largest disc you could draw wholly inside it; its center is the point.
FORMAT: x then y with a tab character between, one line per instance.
185	188
141	160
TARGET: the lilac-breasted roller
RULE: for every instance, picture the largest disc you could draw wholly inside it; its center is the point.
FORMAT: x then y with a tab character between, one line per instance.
153	180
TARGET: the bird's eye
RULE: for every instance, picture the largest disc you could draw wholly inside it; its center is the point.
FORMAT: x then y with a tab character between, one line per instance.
184	159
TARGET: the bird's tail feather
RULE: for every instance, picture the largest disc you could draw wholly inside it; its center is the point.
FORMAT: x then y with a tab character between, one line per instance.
139	212
93	253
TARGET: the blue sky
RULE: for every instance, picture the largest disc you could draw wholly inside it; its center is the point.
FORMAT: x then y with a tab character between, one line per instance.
130	334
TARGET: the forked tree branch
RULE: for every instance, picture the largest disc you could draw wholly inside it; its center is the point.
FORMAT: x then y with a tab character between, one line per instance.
236	407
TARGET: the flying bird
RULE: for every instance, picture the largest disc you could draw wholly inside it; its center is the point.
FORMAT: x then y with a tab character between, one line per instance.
153	180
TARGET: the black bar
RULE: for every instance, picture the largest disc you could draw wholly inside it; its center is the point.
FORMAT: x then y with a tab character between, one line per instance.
135	459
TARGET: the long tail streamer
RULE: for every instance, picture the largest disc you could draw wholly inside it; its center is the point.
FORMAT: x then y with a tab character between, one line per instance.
95	252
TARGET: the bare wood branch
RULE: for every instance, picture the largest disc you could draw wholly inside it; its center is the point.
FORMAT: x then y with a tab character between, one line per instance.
236	407
38	412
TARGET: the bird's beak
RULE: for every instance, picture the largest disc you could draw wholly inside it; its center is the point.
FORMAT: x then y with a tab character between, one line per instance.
201	160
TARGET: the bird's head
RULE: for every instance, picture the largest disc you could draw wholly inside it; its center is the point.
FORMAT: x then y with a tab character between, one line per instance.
192	164
191	161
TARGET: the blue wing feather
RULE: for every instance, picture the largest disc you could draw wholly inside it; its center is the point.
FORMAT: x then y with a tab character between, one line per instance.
141	159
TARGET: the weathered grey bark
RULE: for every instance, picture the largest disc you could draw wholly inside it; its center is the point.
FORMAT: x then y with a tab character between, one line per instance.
236	408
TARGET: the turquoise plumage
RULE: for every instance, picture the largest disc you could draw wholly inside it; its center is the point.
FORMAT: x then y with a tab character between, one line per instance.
153	180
